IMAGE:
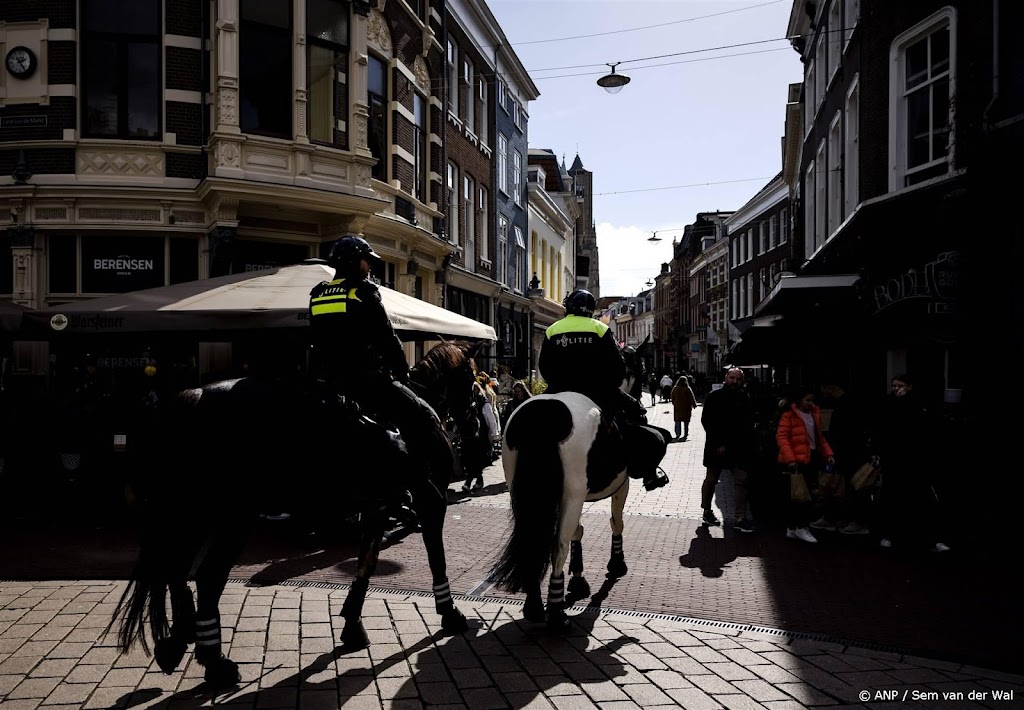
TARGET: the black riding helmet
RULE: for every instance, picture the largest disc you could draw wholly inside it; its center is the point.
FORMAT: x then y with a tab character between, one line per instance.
580	303
348	251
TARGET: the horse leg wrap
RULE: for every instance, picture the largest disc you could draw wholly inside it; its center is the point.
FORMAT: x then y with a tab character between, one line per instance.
556	592
352	609
617	546
207	640
576	557
443	597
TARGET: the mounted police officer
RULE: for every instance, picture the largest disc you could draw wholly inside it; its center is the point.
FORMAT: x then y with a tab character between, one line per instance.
580	355
357	352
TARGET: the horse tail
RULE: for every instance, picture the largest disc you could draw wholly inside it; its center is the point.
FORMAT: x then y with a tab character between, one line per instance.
143	600
164	545
536	491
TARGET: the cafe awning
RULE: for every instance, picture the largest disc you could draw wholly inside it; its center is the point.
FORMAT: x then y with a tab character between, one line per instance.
10	316
795	292
274	298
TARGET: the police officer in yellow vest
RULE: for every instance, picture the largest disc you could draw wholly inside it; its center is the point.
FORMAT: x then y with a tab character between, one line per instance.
356	351
580	355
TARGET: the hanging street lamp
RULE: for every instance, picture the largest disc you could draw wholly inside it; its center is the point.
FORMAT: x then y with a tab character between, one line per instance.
613	83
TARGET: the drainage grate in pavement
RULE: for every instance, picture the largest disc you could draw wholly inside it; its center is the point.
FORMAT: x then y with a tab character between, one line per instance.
605	611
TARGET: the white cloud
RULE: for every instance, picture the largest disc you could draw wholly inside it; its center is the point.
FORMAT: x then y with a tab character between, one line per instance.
627	259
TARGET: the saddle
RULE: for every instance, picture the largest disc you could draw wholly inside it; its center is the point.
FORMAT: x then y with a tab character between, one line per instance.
607	457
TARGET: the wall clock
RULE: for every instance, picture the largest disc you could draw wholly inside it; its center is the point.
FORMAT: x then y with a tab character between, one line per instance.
21	62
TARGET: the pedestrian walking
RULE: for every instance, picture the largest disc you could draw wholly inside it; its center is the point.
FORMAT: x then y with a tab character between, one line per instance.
728	420
683	404
805	452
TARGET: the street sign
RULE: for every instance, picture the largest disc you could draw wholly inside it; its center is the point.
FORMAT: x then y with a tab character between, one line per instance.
23	121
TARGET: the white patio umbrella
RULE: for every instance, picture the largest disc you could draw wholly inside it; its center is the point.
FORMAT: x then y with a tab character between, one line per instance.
275	298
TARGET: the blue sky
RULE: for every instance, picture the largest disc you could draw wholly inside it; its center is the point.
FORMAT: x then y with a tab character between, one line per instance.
681	124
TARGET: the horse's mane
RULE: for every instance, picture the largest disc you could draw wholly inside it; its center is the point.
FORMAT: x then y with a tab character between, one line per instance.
441	360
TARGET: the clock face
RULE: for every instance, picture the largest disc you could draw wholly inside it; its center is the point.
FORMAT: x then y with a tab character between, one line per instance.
21	62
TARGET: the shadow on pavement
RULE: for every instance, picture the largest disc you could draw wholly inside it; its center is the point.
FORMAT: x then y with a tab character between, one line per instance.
711	555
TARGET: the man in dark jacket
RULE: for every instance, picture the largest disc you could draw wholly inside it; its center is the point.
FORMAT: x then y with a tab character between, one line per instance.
728	420
908	504
357	352
579	355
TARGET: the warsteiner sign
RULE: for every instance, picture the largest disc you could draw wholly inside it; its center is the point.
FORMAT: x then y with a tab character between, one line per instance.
119	264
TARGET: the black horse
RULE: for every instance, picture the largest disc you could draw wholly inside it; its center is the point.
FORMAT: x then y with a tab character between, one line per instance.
226	450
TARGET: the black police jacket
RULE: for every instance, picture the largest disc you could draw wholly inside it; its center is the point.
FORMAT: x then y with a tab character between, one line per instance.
352	334
579	355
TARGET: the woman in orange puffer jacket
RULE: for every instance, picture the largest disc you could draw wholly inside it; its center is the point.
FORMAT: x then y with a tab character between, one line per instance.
803	448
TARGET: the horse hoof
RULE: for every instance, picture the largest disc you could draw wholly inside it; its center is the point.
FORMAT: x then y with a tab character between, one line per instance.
168	654
354	636
617	567
533	611
578	588
222	671
454	622
558	622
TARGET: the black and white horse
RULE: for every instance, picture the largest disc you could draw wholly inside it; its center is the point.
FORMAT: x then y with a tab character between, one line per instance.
558	453
228	449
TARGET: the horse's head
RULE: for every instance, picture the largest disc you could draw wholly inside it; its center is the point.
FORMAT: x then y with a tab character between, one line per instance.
446	377
635	373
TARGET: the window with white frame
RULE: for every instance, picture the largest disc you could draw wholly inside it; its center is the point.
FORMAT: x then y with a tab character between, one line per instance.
923	80
852	12
762	246
482	238
736	299
783	226
469	244
851	157
809	195
820	195
483	110
750	244
467	88
835	38
502	158
501	268
453	204
750	293
517	114
520	261
502	97
453	77
419	147
742	310
517	177
810	103
835	159
773	231
821	77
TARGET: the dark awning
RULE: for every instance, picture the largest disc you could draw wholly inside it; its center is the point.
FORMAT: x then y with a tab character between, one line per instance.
796	294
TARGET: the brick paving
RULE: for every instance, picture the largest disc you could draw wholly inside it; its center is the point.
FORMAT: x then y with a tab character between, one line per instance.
286	642
916	623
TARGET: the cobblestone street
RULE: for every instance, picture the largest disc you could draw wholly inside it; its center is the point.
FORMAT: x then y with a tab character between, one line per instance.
705	618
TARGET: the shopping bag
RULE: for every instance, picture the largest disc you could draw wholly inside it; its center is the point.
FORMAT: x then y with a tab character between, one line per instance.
864	477
830	484
798	492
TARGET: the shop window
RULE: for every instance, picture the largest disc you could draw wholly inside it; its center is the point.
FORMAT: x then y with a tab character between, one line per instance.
121	69
6	269
184	259
121	264
251	255
62	264
327	52
265	59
